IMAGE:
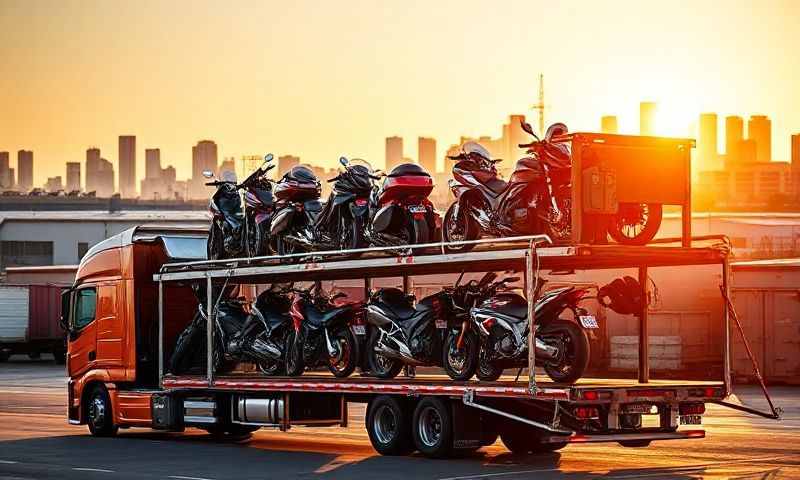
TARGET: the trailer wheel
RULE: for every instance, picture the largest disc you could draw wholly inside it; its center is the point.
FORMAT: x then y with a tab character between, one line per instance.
60	356
433	427
389	426
523	441
99	415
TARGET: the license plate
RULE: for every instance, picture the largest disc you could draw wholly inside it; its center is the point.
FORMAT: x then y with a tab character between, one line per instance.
588	321
691	419
441	324
359	330
643	408
417	209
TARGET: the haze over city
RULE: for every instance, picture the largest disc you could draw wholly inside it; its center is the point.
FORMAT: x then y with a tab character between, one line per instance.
272	77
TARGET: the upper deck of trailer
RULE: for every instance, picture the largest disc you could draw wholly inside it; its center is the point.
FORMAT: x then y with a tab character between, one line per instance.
491	255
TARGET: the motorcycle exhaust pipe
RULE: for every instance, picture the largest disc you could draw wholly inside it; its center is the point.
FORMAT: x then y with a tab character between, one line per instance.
395	355
265	350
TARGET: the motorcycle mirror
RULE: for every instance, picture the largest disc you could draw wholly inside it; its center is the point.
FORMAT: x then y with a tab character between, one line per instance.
208	174
268	158
343	161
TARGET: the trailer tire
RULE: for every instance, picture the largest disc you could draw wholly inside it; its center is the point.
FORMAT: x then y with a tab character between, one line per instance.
524	441
99	414
432	427
388	424
60	356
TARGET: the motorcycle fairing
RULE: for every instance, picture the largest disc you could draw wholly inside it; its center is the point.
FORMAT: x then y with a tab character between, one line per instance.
316	318
282	219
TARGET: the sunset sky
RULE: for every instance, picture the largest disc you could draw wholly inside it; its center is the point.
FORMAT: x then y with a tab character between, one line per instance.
324	78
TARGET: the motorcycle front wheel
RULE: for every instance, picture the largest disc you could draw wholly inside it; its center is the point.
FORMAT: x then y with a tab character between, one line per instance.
573	346
352	234
459	226
635	223
257	241
343	364
188	342
460	363
487	371
294	355
379	365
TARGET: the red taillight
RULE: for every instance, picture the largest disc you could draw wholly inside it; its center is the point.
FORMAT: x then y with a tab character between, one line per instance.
590	395
586	413
692	408
361	202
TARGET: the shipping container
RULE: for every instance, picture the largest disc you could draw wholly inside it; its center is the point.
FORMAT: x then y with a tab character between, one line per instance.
29	321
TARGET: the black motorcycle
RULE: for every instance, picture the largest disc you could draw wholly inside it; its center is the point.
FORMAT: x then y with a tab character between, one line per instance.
233	232
400	211
323	333
298	207
496	337
340	224
255	334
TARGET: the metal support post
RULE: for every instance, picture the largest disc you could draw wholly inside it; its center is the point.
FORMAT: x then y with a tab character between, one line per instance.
210	332
644	346
530	283
726	324
408	284
160	334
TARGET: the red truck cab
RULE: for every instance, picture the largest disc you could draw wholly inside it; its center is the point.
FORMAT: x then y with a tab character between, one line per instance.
112	320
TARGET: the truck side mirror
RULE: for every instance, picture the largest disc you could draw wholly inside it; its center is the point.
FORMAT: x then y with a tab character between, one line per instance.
66	303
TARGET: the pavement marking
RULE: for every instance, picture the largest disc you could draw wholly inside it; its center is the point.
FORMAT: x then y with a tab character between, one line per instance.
181	477
8	462
87	469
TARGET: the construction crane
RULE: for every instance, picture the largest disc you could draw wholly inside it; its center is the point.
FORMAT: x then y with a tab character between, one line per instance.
540	106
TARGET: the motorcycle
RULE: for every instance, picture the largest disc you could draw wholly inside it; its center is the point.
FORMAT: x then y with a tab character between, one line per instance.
324	333
536	199
402	333
252	333
400	212
340	224
298	206
496	335
234	233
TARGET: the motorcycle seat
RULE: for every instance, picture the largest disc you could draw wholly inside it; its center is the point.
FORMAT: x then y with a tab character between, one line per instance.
317	317
497	185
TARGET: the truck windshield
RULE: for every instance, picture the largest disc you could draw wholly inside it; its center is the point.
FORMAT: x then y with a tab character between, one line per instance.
185	248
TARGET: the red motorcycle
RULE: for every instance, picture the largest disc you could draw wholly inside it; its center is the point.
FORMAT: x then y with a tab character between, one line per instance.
298	205
325	332
400	211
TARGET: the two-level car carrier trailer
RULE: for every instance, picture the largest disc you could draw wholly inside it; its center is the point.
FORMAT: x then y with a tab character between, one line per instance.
430	413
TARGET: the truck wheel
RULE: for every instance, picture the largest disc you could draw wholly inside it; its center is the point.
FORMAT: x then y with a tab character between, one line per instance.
389	426
294	355
523	440
433	428
60	356
99	415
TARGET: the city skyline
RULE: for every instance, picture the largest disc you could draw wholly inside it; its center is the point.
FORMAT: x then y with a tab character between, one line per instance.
319	86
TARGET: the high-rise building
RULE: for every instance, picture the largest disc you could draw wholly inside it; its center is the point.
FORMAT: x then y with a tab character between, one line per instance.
608	124
54	184
227	165
286	162
5	173
394	152
104	179
152	163
92	168
426	148
25	169
707	143
759	128
647	118
204	157
734	134
748	151
73	176
127	166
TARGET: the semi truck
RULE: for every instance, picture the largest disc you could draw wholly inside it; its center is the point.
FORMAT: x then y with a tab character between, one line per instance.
133	296
29	321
